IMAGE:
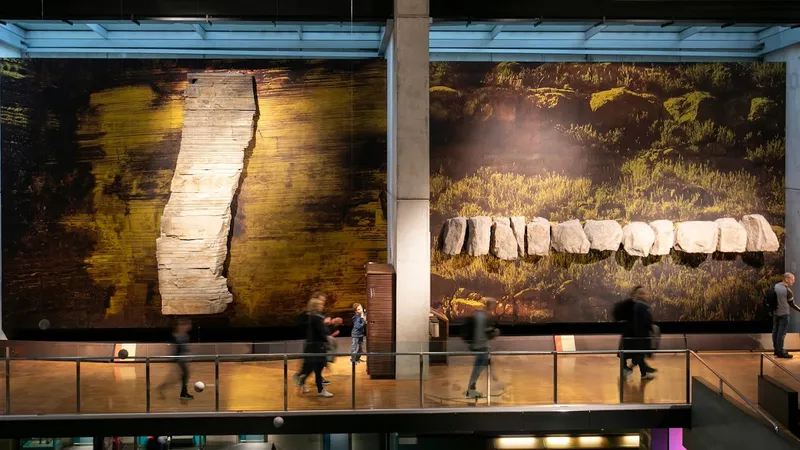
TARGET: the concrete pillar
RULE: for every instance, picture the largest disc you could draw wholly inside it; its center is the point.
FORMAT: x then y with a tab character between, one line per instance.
408	191
2	335
792	185
792	176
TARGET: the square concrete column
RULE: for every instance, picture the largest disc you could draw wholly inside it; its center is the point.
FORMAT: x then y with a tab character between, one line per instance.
792	184
408	191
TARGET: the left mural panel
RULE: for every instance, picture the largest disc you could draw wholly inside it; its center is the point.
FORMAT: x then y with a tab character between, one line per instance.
89	156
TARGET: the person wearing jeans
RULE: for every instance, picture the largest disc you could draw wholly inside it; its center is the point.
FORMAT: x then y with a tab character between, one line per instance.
780	318
359	326
483	332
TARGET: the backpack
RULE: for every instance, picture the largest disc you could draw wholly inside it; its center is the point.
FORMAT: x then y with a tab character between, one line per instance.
771	300
468	329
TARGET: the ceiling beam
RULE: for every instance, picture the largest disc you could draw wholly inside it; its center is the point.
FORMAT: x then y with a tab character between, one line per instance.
13	36
689	32
496	31
98	29
780	40
341	43
592	32
386	36
771	31
552	51
199	30
79	52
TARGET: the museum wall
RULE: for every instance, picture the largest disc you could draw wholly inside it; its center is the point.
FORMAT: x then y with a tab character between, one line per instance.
590	142
89	153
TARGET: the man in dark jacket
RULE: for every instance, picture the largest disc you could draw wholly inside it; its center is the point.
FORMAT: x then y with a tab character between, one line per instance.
638	322
315	346
359	327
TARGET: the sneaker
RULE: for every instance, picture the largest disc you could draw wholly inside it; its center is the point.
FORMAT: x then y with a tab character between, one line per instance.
297	381
325	382
626	372
472	393
325	394
648	376
186	396
785	355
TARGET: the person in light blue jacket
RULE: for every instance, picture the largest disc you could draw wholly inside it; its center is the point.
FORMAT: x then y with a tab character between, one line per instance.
359	328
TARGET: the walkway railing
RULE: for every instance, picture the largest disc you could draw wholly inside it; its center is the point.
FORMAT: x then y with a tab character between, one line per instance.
723	382
284	358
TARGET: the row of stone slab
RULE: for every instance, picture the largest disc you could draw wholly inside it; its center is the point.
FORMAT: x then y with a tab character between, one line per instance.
509	238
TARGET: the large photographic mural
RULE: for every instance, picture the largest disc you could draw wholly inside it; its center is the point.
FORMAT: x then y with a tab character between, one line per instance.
90	150
571	143
89	154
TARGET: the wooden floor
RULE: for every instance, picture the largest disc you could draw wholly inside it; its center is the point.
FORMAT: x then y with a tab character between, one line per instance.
50	387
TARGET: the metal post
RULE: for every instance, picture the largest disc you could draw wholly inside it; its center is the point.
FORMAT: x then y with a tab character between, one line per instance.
688	377
353	382
421	384
147	383
285	382
720	386
761	365
216	383
621	377
555	378
8	380
78	385
488	379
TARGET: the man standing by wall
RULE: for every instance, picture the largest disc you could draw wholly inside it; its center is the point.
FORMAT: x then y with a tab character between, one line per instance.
780	318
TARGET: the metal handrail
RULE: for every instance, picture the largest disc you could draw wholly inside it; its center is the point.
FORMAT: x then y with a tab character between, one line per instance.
788	372
279	356
723	381
148	360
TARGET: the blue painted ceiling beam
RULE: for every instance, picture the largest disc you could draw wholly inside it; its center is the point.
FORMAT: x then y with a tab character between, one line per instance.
360	40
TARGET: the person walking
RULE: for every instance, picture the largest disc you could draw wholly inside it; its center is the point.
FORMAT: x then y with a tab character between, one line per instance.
781	315
180	337
315	347
359	327
637	334
480	329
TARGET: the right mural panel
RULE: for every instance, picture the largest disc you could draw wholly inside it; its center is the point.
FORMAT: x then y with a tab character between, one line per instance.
684	143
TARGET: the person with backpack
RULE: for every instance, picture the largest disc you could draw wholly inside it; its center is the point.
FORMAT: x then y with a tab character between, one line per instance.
778	300
639	333
477	332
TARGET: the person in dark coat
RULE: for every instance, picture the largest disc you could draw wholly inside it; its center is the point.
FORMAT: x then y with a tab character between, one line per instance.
180	336
315	345
637	318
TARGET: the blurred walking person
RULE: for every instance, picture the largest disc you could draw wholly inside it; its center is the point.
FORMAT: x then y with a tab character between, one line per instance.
637	334
479	330
180	337
317	339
